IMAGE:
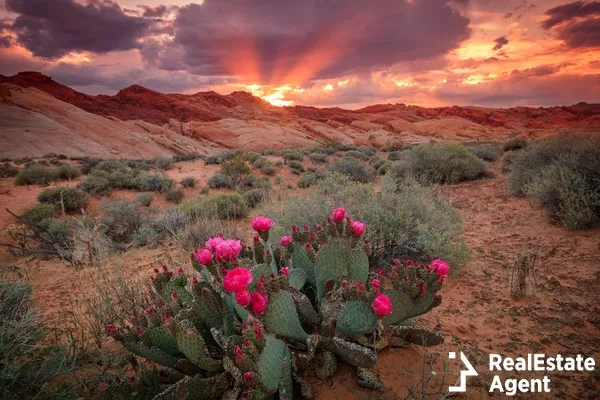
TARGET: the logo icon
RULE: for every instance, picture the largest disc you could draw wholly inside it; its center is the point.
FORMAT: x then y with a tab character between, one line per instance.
463	374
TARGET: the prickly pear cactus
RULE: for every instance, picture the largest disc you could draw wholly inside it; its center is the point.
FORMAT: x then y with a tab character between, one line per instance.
253	319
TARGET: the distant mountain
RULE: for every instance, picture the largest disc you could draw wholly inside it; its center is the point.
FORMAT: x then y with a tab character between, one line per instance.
209	121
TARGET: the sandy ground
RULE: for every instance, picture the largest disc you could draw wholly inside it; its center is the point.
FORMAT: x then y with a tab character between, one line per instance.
477	314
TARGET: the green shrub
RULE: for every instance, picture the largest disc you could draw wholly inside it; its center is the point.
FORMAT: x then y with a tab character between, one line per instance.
112	165
309	179
215	159
162	162
402	220
252	157
384	168
265	166
254	197
296	167
36	174
357	154
56	231
507	162
187	157
438	163
236	168
66	172
145	236
394	155
29	360
251	181
562	175
145	198
174	195
514	144
170	223
293	156
318	158
376	164
225	206
8	171
356	170
204	190
277	180
121	218
73	199
344	147
86	164
221	181
189	181
486	153
95	185
148	182
368	150
36	214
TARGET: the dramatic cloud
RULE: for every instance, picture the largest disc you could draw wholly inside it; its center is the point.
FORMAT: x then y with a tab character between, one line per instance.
500	42
290	41
54	28
577	24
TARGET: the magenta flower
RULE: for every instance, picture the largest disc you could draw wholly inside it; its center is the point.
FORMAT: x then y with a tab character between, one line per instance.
248	377
243	298
237	280
338	214
285	271
440	267
358	228
262	224
228	250
259	303
180	271
382	305
205	257
375	285
360	286
285	241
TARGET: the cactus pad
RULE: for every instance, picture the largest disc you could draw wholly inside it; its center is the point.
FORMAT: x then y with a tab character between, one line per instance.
355	319
270	364
281	317
192	344
301	261
163	339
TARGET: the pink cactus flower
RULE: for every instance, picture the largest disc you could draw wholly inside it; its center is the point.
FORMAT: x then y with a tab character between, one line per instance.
358	228
319	228
174	294
440	267
382	305
258	332
375	285
249	377
237	280
205	257
228	250
195	281
239	355
243	298
285	271
180	271
262	224
285	241
360	286
212	243
338	214
259	303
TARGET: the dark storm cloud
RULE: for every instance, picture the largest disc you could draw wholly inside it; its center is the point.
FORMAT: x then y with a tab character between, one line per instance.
570	11
54	28
343	37
576	24
160	11
500	42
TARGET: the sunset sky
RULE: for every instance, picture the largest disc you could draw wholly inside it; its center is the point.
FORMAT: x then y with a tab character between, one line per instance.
347	53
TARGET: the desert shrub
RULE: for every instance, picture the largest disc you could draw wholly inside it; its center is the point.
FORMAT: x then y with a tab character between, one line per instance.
562	175
187	157
121	218
174	195
377	163
215	159
73	199
277	180
394	155
66	172
384	168
265	166
145	236
293	156
368	150
112	165
486	153
236	168
296	167
357	154
36	214
393	145
344	147
254	197
309	179
170	223
145	198
86	164
189	181
36	174
27	359
270	152
194	235
162	162
225	206
56	231
252	156
95	185
402	220
356	170
204	190
8	171
438	163
148	182
318	158
221	181
251	181
507	162
514	144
